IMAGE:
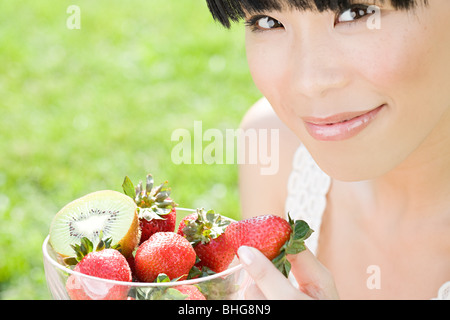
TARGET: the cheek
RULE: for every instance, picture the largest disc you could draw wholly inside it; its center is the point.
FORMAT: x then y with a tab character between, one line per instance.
268	69
384	68
265	67
409	61
413	74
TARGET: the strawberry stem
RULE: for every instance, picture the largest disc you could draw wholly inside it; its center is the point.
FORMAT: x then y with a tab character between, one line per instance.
153	202
208	225
296	244
86	246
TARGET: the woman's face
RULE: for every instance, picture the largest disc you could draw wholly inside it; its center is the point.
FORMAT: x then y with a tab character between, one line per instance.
361	91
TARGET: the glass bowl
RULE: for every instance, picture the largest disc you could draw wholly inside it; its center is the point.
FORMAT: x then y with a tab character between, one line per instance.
227	285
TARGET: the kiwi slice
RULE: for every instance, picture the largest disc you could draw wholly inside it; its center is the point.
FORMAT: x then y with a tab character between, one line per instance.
102	214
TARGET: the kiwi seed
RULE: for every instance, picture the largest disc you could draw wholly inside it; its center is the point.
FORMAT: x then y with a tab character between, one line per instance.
108	213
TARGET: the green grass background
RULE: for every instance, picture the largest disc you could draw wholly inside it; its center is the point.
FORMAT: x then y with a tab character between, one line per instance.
80	109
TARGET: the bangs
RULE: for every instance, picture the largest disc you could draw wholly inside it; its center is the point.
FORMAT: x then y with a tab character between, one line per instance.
227	11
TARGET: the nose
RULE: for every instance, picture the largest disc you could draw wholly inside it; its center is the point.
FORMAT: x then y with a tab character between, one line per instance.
317	67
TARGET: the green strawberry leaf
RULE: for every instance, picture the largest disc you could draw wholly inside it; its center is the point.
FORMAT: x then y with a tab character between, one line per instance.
196	272
155	198
208	225
160	293
128	188
162	195
86	246
162	277
149	183
296	244
70	261
174	294
302	231
149	214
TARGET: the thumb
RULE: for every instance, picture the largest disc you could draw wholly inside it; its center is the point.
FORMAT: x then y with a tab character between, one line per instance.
313	278
271	283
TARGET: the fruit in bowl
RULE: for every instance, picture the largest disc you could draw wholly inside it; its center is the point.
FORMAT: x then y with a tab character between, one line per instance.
80	284
109	245
112	245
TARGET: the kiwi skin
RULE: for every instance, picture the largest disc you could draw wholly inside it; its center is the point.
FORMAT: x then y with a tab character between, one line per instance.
129	241
132	238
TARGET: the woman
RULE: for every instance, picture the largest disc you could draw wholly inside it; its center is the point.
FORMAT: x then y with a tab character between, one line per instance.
360	92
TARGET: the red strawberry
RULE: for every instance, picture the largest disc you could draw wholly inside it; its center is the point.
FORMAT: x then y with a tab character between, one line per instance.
216	255
130	261
192	292
164	252
162	223
206	232
103	263
272	235
266	233
157	211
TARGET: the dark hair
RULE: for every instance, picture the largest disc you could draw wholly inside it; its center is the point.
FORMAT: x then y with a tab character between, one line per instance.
226	11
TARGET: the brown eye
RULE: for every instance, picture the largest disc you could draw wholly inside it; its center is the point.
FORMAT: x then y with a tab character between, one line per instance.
268	23
354	13
263	23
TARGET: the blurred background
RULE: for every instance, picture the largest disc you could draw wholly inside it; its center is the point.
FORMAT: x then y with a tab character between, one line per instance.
82	108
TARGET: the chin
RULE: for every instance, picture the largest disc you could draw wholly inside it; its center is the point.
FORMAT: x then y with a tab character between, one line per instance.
352	162
347	173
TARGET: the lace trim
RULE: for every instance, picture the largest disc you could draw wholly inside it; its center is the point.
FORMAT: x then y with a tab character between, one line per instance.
307	189
444	292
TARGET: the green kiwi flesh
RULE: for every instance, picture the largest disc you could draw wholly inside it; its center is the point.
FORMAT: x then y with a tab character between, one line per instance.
108	213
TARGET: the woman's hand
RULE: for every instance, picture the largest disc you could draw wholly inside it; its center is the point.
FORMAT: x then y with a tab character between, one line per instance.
315	281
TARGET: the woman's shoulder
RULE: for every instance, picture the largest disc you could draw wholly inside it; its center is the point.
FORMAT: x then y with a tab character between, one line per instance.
265	191
262	116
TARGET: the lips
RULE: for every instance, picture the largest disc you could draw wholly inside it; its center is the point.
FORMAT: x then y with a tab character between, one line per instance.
340	126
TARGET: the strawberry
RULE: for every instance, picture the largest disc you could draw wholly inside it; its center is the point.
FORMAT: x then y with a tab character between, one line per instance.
130	261
164	252
152	224
216	255
272	235
192	292
157	211
206	232
104	262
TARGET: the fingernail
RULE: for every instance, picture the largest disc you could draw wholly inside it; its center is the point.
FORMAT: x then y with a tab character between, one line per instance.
246	255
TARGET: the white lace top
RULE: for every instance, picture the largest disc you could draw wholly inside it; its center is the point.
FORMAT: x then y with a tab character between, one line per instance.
308	187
